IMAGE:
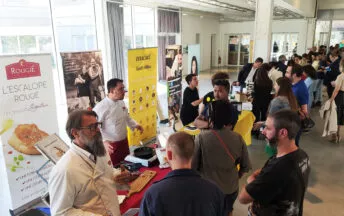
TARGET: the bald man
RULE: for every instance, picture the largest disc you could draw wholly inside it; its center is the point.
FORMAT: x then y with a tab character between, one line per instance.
182	191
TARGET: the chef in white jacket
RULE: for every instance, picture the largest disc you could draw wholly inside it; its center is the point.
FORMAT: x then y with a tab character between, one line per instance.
82	181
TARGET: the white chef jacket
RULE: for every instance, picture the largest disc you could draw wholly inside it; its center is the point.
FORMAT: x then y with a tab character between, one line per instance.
79	186
115	118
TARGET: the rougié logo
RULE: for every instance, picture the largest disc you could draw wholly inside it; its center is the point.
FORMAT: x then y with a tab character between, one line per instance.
22	69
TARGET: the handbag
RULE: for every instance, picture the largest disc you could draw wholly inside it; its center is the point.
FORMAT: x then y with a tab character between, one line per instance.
306	121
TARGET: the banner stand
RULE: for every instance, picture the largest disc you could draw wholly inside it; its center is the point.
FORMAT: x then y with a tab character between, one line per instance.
41	176
25	207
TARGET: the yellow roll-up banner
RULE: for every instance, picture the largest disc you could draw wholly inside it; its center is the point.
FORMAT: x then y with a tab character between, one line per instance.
142	92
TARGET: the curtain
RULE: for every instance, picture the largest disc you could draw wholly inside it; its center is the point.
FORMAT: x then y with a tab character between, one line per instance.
162	60
168	21
116	33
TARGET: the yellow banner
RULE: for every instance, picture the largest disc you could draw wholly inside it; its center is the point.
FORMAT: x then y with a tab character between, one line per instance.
142	92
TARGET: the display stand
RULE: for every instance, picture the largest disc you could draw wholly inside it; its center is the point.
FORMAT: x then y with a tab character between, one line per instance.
44	179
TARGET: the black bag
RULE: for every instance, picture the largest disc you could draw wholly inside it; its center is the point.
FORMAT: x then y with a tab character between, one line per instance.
306	121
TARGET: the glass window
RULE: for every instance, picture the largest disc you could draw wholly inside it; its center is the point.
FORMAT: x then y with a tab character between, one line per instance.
337	33
283	44
144	26
322	30
44	44
10	45
27	44
75	25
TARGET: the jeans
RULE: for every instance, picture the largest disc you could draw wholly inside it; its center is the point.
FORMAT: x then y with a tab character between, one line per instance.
318	90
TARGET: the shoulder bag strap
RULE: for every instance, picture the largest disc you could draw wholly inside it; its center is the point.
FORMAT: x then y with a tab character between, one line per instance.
223	145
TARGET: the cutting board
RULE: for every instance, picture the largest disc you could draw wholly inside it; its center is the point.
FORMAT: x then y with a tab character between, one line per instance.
138	184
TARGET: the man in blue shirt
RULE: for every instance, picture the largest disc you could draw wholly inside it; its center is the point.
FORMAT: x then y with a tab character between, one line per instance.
294	73
182	191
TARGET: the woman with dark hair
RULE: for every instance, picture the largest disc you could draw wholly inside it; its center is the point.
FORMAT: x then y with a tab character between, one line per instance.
189	110
261	92
194	66
219	151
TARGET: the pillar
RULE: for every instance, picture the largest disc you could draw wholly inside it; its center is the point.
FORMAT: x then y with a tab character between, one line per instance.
262	29
311	23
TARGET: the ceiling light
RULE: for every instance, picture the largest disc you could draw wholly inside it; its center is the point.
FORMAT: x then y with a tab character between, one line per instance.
184	14
201	17
120	6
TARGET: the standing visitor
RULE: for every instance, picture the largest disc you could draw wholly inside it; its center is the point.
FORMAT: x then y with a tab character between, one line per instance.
279	187
115	118
191	100
219	151
338	97
182	192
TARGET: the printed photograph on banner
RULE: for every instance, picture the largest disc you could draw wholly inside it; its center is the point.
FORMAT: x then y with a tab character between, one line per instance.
142	93
174	69
28	115
84	79
194	59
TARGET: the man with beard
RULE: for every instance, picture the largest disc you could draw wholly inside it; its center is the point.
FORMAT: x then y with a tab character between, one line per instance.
279	187
82	181
115	117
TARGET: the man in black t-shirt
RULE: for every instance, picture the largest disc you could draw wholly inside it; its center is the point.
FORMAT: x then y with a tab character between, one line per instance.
279	187
191	100
220	82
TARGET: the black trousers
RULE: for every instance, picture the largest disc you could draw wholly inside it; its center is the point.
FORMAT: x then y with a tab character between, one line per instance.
260	111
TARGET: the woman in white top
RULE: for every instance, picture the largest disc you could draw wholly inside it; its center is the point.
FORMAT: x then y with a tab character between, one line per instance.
338	97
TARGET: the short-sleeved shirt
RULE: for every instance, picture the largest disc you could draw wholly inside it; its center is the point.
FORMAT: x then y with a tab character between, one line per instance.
301	92
189	112
183	192
279	188
340	81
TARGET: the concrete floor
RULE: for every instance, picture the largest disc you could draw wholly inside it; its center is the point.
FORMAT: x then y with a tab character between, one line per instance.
325	194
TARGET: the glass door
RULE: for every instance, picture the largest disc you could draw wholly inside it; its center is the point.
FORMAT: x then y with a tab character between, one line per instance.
238	49
283	44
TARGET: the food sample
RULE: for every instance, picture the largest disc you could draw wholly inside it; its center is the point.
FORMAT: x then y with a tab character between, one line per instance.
25	136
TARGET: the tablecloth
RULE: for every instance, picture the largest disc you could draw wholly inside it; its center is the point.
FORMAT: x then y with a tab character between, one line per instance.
134	200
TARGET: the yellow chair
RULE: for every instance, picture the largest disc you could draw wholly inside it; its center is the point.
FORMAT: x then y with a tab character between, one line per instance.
244	126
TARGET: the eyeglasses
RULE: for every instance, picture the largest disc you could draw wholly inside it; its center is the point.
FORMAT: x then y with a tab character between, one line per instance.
93	127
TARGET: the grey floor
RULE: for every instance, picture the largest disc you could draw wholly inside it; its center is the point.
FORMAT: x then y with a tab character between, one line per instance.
325	194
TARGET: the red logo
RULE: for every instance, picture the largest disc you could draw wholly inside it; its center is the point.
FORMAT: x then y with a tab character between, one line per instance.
22	69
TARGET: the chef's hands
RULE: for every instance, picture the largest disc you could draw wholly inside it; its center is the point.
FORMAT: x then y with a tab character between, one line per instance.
140	128
108	147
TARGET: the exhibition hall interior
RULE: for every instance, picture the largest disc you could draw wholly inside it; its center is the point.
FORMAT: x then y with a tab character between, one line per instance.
171	107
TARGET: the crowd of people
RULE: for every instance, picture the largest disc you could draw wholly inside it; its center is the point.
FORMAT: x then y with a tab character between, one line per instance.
206	169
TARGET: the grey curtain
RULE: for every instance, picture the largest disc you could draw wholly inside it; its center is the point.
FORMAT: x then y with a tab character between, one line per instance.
116	33
162	61
168	21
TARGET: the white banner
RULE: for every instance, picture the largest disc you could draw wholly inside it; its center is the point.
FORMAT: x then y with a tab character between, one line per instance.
27	114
